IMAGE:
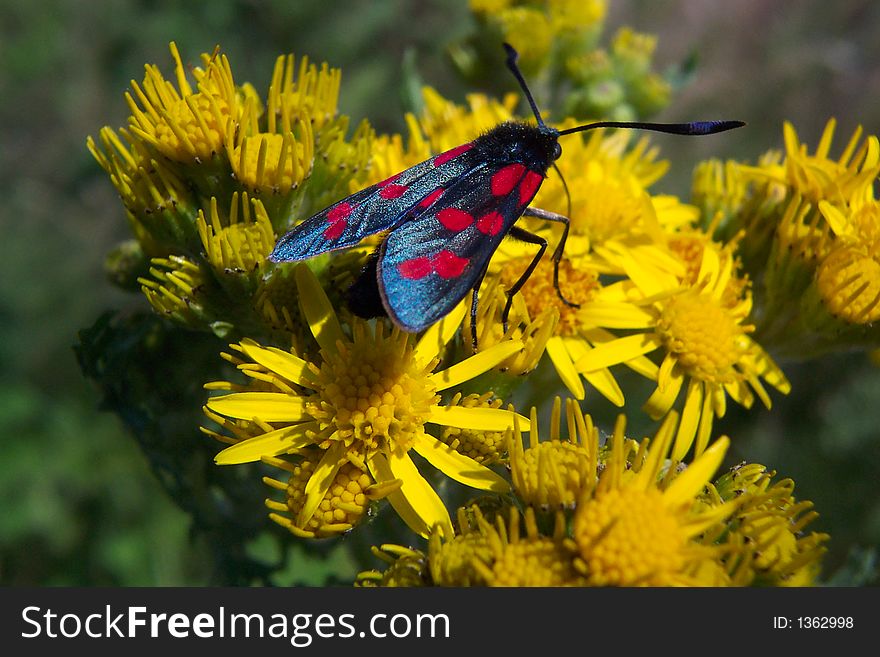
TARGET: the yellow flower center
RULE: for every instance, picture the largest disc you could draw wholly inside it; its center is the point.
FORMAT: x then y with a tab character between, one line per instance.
848	281
193	128
452	561
628	537
552	473
704	337
577	285
270	162
344	503
484	447
534	562
372	393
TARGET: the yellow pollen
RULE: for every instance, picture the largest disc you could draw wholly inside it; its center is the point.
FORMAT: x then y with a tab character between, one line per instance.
552	473
702	335
371	392
628	537
848	281
534	562
191	125
576	285
343	505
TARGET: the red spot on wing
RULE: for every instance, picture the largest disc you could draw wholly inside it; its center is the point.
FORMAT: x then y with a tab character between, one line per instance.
392	191
491	223
341	211
529	186
430	198
335	229
414	268
451	154
505	179
337	220
448	265
455	219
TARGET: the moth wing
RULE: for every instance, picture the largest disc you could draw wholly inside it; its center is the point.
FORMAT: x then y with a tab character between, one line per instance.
428	265
374	209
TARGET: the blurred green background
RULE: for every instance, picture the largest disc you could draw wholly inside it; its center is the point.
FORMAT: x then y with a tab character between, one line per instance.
80	505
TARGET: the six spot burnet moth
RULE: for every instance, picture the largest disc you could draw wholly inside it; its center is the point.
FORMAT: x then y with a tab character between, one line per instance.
446	216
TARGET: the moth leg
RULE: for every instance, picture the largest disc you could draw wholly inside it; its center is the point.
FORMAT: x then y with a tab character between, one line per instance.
560	248
474	310
524	236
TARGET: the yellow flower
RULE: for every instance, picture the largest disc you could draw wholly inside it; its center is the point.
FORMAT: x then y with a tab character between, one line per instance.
703	338
558	329
607	186
407	567
514	558
345	503
365	403
447	124
554	473
311	96
184	124
529	31
533	331
174	290
819	177
848	278
641	527
766	533
485	447
157	201
576	15
242	244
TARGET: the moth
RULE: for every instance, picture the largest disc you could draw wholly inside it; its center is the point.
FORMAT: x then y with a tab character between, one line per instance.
446	216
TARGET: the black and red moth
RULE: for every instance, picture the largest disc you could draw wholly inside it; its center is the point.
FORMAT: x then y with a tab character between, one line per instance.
446	216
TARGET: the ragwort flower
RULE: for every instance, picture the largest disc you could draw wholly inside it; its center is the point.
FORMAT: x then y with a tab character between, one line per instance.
365	403
703	337
639	525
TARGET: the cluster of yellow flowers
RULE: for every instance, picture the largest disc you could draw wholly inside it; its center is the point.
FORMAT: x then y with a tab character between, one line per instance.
338	407
560	46
640	522
811	223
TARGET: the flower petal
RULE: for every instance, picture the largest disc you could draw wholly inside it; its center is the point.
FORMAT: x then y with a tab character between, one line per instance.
560	357
690	419
273	443
475	365
640	364
267	406
693	479
438	336
481	419
617	351
320	481
317	310
607	385
668	387
291	367
615	315
415	501
458	466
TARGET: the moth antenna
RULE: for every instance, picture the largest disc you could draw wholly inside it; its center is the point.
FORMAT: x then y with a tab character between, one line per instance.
512	56
692	128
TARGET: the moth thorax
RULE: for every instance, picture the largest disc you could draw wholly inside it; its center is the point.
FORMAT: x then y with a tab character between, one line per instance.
520	142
